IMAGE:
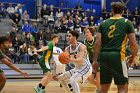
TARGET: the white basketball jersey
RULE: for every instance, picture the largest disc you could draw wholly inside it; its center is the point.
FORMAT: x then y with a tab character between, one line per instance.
75	51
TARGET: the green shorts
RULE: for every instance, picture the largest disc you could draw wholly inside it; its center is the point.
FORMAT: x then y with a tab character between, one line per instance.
43	66
111	66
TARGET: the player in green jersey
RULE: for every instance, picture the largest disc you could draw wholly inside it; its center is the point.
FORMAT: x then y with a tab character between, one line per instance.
44	64
4	45
90	42
110	44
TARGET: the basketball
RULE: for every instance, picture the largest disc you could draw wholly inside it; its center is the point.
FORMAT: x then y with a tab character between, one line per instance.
63	56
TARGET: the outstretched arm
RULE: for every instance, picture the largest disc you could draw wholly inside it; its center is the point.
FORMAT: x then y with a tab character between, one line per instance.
12	66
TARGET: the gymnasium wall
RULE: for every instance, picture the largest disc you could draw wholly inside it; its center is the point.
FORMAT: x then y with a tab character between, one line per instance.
131	4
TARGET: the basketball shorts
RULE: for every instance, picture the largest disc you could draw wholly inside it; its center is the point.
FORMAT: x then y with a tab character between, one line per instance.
111	66
44	66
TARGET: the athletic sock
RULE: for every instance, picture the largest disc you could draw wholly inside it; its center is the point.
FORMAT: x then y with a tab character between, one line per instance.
40	85
43	87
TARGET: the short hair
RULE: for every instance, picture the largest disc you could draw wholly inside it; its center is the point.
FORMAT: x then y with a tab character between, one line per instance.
74	33
117	7
3	39
91	29
54	36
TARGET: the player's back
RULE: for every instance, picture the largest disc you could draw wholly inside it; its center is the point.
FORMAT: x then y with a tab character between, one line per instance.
114	33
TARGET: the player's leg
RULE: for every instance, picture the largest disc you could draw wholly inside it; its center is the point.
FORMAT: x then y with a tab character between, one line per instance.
79	76
123	88
46	78
105	73
119	67
2	80
98	81
64	79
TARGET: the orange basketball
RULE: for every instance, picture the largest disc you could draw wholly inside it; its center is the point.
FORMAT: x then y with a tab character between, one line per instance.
63	56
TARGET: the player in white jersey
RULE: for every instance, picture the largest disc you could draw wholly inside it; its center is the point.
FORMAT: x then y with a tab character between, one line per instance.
83	68
59	68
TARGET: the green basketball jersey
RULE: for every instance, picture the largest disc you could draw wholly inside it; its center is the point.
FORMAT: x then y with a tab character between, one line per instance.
114	34
47	54
90	46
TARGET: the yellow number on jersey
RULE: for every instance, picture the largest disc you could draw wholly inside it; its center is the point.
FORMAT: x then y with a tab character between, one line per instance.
112	29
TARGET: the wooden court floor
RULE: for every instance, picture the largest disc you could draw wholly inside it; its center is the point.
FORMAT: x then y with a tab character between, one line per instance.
26	86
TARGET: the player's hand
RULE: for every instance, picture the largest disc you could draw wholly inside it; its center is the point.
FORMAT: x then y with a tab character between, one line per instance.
24	74
95	66
131	61
68	60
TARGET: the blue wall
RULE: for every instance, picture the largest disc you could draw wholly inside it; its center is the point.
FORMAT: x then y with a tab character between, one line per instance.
131	4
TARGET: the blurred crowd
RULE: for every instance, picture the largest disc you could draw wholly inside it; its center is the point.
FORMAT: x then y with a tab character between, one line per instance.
27	34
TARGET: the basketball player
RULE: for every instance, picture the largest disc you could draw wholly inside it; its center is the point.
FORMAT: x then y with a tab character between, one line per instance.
59	68
44	64
110	43
4	45
83	68
90	42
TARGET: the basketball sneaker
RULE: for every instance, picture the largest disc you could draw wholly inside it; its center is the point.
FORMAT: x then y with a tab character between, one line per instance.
39	90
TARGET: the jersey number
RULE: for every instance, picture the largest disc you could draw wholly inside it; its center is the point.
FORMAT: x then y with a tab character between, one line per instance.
112	29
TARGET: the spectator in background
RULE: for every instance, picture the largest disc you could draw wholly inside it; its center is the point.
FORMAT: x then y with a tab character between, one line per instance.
138	34
24	57
46	37
57	25
91	21
99	21
34	29
44	13
16	19
18	9
63	26
59	13
134	22
70	23
26	27
25	17
10	10
77	26
28	39
32	51
39	36
2	10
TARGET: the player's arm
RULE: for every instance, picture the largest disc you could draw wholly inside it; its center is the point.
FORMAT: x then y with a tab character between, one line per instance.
96	50
43	49
97	47
133	44
12	66
133	47
81	55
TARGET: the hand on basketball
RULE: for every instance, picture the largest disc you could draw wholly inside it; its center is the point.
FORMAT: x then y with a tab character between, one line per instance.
24	74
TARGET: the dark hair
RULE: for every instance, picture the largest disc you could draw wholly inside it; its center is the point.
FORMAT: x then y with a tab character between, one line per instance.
54	36
3	39
74	33
117	7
